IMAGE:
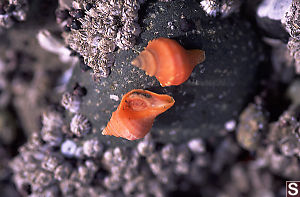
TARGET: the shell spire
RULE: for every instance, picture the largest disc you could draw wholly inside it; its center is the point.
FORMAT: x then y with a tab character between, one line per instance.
168	61
135	115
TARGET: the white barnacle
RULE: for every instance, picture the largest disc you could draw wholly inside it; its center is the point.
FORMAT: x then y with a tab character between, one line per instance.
71	102
79	152
92	148
168	153
51	161
52	120
68	148
182	168
42	178
230	125
52	137
80	125
62	171
211	7
87	171
197	145
155	163
145	147
228	7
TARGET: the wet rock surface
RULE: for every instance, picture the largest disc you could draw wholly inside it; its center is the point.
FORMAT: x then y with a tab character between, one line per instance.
215	92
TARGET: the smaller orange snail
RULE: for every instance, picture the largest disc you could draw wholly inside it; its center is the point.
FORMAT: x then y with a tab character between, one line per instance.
168	61
135	115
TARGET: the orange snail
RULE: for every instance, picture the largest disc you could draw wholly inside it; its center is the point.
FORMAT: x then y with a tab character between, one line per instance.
168	61
135	115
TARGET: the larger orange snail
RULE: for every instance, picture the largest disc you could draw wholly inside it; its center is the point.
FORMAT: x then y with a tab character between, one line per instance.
135	115
168	61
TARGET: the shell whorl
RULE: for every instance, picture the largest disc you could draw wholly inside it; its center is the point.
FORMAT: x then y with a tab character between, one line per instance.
117	128
146	61
135	115
168	61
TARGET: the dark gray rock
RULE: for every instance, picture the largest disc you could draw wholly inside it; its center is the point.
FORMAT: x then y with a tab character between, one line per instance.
216	92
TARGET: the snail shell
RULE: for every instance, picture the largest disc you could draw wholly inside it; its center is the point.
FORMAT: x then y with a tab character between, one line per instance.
135	115
168	61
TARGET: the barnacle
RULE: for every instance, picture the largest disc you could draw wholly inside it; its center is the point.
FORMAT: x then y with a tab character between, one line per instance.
292	25
51	161
229	6
80	125
211	7
220	7
197	145
52	122
62	171
68	148
169	62
11	11
71	102
92	148
136	113
291	20
96	29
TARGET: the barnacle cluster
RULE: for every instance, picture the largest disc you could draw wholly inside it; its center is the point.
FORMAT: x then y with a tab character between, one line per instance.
283	135
11	10
84	167
276	144
220	7
47	169
291	21
66	159
285	132
95	29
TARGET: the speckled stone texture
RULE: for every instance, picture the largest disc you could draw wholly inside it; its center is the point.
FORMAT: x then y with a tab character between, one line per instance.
216	91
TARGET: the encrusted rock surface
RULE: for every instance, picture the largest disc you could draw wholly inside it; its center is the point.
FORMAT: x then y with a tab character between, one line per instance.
292	25
198	148
215	92
96	28
78	166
